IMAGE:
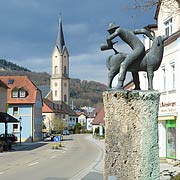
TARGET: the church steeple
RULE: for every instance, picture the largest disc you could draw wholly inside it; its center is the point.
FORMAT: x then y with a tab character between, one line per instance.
60	43
60	81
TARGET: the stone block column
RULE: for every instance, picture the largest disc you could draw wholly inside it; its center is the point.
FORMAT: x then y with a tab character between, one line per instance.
131	135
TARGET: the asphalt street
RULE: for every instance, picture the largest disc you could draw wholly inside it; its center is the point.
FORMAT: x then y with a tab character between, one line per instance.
80	157
91	170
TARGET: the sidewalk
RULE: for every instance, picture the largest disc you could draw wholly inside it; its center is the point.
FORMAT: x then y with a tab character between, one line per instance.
27	145
97	171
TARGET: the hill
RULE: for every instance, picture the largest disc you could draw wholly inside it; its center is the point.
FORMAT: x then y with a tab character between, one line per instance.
86	93
82	92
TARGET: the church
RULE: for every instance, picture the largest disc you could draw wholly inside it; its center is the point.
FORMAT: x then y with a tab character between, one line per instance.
56	101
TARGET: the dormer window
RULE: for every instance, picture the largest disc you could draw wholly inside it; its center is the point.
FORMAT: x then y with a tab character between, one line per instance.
19	93
15	93
22	93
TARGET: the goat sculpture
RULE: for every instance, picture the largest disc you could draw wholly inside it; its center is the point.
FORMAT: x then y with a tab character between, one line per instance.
149	63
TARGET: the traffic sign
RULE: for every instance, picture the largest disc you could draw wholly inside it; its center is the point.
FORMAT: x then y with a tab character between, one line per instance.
57	138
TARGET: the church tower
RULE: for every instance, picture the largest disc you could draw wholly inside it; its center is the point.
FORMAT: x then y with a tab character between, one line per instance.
60	80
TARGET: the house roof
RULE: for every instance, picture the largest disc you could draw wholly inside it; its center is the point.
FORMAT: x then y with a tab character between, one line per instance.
60	43
57	107
94	112
80	113
99	119
17	82
45	90
157	10
3	84
66	109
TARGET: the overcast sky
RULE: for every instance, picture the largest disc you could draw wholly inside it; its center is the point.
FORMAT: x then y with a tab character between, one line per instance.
28	30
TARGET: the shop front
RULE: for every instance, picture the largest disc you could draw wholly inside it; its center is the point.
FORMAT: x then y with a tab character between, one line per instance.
167	128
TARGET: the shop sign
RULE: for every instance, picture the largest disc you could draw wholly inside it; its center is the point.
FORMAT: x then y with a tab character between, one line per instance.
167	107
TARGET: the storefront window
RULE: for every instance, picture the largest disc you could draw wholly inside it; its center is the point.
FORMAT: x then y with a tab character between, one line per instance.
171	139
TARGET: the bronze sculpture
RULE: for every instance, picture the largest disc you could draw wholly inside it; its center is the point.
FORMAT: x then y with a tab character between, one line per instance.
137	60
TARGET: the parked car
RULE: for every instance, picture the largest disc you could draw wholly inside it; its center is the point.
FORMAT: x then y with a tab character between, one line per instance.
66	132
10	137
5	145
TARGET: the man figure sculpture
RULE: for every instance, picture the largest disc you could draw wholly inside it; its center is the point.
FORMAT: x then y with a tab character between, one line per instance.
129	37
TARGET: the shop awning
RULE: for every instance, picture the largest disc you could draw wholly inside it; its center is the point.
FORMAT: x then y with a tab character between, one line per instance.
6	118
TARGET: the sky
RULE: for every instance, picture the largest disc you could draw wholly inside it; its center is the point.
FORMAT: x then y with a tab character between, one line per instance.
28	30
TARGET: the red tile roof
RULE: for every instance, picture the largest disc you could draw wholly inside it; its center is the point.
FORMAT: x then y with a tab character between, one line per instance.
57	107
99	119
80	113
22	82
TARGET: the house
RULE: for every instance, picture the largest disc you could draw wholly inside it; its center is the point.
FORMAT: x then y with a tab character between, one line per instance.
52	110
99	121
91	117
167	79
82	118
3	97
25	104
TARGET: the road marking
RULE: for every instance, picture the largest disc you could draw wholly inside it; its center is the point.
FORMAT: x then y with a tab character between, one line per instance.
52	157
2	172
32	164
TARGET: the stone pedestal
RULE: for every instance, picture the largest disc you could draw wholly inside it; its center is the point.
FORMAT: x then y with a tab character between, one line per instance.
131	135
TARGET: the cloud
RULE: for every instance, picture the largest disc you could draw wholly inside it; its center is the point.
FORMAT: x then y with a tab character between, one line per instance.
37	64
92	65
76	28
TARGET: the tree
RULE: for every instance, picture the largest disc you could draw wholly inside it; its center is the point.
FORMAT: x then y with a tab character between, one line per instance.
58	125
77	128
148	4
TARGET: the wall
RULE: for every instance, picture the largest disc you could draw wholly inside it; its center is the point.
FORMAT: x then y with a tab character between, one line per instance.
3	99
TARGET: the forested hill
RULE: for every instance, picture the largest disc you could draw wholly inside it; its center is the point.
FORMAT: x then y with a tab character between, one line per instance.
86	93
6	65
82	92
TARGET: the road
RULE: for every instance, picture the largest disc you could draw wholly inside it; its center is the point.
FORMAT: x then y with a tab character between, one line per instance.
78	156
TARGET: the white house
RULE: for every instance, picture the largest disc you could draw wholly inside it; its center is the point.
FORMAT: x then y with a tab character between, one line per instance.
82	119
167	80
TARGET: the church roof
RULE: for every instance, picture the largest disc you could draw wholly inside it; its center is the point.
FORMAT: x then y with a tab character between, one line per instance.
60	43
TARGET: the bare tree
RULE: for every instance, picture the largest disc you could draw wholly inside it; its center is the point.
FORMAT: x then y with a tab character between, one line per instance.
148	4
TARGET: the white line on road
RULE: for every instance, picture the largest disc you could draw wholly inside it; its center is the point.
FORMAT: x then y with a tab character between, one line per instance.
2	172
52	157
32	164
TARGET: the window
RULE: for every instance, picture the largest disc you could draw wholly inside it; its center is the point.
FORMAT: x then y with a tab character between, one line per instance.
15	127
145	81
55	92
56	70
168	27
15	110
19	93
10	81
65	98
164	78
173	75
15	93
22	93
65	70
55	84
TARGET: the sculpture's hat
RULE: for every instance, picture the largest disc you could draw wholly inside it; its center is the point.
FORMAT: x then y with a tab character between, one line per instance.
112	26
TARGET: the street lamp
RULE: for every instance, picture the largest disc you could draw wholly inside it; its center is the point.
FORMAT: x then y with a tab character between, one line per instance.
20	118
